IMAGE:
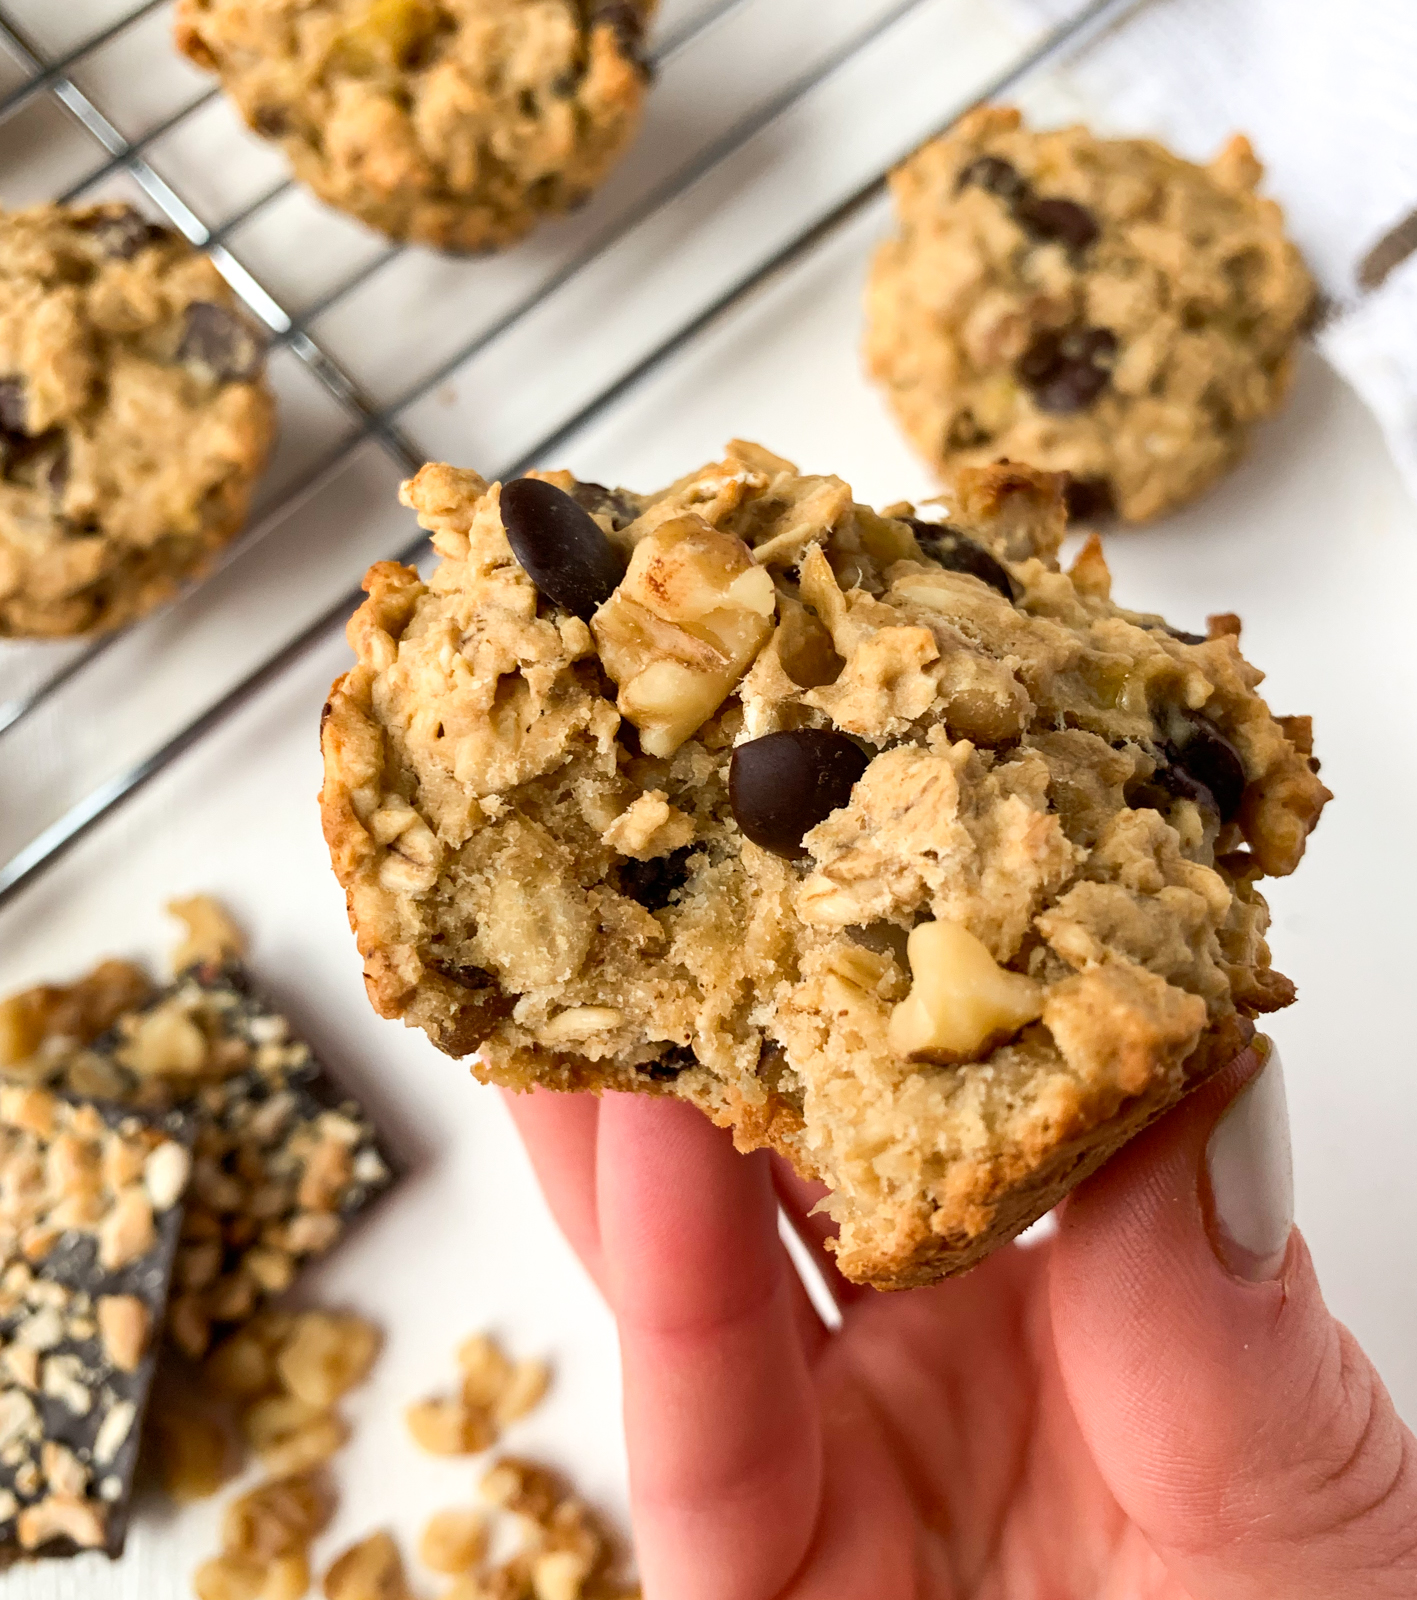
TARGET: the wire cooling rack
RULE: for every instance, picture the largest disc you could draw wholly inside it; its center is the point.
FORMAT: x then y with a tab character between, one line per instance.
112	112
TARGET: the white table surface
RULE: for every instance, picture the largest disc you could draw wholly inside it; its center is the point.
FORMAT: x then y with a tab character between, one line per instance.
1312	541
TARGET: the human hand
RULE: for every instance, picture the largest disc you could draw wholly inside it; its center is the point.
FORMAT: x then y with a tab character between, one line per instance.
1127	1411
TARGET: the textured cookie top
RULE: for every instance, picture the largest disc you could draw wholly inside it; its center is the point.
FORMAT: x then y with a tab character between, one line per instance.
875	835
1092	306
456	123
134	417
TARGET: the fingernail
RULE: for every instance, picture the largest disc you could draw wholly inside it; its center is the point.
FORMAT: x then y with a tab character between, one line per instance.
1250	1177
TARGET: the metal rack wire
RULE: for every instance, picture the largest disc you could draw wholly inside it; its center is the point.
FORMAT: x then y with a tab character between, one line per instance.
380	422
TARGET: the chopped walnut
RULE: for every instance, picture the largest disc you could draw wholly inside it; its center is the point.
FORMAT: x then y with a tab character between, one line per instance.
682	628
231	1577
76	1013
453	1541
961	1002
211	934
276	1518
447	1427
326	1355
369	1570
290	1436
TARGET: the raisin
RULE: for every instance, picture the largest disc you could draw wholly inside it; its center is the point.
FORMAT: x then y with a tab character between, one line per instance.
1062	220
1068	368
654	883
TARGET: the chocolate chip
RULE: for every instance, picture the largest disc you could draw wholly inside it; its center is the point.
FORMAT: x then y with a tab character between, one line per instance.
1068	368
466	977
654	883
996	175
1089	499
221	342
1208	758
1186	638
1062	220
784	784
676	1059
13	411
616	504
121	231
560	546
957	552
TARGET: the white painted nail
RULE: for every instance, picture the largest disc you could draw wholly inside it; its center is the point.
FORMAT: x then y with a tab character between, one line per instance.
1251	1178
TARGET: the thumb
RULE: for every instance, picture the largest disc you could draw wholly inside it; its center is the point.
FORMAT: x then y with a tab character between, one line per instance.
1236	1422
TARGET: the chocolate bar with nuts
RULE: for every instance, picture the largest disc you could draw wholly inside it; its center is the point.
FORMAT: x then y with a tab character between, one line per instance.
284	1159
90	1215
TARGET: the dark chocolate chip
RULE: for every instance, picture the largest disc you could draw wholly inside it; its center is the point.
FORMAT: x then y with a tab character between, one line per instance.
1062	220
676	1059
222	342
1187	638
957	552
466	977
121	232
996	175
13	411
784	784
1068	368
616	504
654	883
1208	758
560	546
1090	500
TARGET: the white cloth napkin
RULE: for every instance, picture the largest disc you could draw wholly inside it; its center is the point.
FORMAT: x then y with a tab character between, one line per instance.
1328	96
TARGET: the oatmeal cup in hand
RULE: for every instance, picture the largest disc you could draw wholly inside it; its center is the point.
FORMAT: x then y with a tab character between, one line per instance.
875	835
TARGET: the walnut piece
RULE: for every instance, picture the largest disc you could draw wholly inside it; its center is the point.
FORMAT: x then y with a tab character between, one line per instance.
211	934
327	1355
369	1570
682	628
276	1518
961	1002
453	1541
